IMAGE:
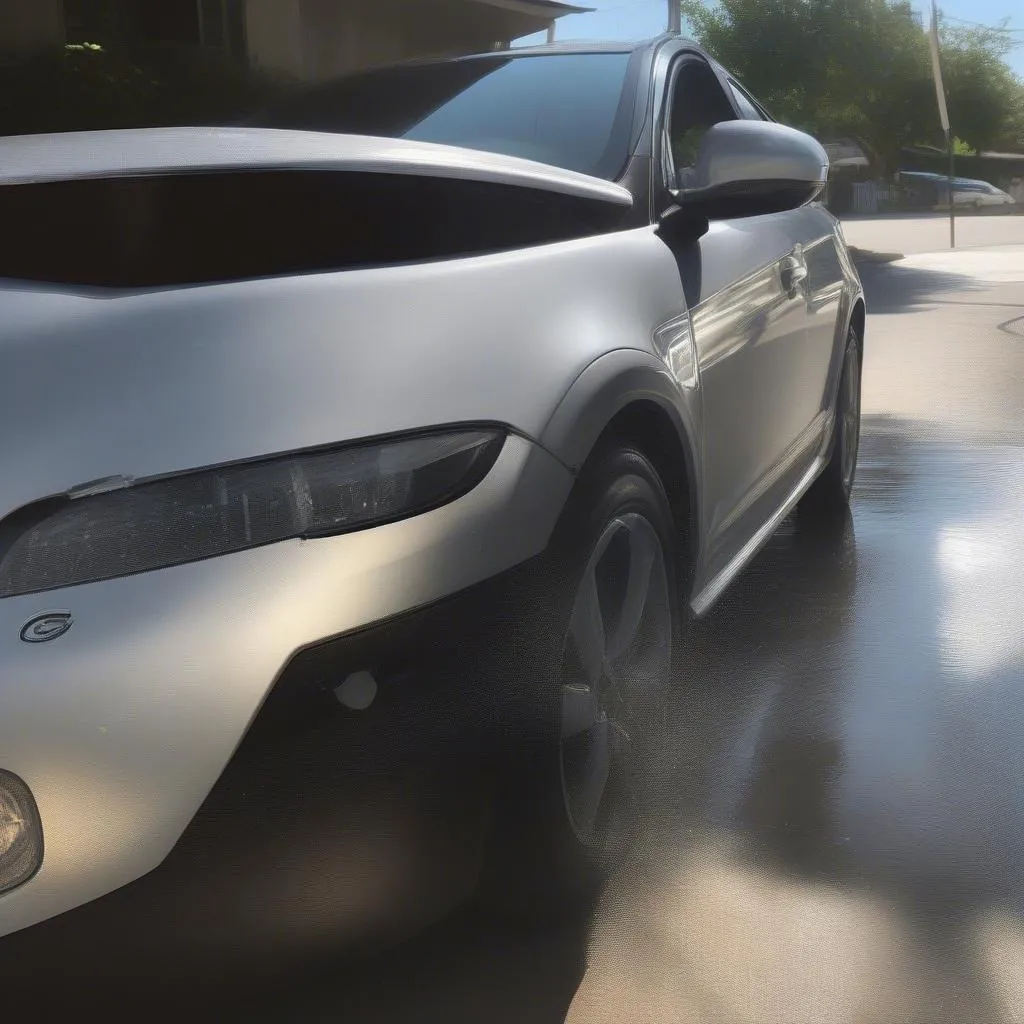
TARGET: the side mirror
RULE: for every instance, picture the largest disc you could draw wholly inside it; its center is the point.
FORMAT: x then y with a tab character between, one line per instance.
745	168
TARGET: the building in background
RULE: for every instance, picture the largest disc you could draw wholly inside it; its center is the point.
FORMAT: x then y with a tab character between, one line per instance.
309	39
849	163
319	38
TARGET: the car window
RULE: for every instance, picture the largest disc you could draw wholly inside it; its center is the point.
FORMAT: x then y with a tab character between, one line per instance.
560	109
698	102
746	106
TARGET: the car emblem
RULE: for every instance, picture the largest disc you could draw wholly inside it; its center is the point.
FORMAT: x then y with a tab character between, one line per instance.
46	627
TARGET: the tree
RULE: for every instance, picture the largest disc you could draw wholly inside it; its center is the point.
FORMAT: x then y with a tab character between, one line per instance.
984	96
860	68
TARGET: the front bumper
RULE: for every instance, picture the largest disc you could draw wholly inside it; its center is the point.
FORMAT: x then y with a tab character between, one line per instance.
122	726
330	832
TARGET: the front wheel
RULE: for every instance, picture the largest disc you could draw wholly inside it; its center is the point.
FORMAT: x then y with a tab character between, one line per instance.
831	492
602	659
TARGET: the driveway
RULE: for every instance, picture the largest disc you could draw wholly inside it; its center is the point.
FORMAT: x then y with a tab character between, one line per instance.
928	232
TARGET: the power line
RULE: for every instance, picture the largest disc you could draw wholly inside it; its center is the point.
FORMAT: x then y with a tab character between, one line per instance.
978	24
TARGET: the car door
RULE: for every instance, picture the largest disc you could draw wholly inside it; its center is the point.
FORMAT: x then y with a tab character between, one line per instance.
745	285
822	287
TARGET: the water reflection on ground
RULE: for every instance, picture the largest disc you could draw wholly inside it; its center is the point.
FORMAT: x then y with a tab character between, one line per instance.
839	832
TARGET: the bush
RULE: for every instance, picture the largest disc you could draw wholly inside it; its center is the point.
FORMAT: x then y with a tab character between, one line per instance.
85	86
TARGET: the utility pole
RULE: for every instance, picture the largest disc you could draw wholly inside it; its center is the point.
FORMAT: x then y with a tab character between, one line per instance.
940	95
675	18
551	33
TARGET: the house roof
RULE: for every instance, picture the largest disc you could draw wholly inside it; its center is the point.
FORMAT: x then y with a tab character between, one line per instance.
538	8
846	153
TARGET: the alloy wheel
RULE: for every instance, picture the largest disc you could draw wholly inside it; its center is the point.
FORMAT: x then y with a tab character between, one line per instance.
849	436
616	661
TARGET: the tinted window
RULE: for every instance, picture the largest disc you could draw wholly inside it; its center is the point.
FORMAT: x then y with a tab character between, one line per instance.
561	109
698	102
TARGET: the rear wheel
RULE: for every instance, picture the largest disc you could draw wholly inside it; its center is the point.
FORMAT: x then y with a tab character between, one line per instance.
831	492
603	661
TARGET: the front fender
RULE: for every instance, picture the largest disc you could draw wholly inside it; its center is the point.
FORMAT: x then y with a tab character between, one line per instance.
608	386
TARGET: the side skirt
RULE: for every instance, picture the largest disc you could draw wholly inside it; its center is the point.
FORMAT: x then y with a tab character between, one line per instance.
706	597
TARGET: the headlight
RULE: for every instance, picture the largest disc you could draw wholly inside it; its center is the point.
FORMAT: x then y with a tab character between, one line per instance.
190	517
21	834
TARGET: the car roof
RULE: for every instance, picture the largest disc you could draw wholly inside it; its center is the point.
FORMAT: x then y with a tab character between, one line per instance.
586	46
945	177
565	46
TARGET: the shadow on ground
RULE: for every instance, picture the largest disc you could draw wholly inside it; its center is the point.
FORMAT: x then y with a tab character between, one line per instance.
897	288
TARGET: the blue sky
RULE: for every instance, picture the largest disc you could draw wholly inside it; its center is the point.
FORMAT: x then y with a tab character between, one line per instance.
636	19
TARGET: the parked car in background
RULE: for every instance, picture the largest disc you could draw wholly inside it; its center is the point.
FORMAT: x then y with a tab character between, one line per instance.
930	189
979	194
402	430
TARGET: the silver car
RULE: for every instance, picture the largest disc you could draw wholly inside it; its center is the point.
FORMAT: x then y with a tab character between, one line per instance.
401	430
972	192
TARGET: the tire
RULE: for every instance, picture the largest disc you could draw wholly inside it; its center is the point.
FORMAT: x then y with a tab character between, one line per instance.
595	663
830	493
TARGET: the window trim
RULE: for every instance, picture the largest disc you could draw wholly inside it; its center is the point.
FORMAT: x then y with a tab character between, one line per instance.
742	94
665	164
765	116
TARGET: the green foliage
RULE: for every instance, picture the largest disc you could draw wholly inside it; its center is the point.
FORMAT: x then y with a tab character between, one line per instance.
862	68
87	85
985	98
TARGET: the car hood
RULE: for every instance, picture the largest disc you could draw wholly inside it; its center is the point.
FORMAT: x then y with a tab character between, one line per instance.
98	383
147	151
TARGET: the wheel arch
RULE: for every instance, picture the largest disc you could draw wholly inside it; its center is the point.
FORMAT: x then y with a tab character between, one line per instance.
630	396
858	316
646	424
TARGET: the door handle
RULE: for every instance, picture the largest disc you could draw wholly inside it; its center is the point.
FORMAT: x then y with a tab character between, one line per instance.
794	270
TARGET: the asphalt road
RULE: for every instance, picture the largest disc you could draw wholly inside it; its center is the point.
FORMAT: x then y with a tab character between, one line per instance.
835	831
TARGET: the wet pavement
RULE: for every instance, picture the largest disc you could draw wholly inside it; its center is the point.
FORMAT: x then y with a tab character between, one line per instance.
835	831
841	834
854	792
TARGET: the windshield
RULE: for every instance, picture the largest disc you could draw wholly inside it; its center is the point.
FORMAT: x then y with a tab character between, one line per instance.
570	110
